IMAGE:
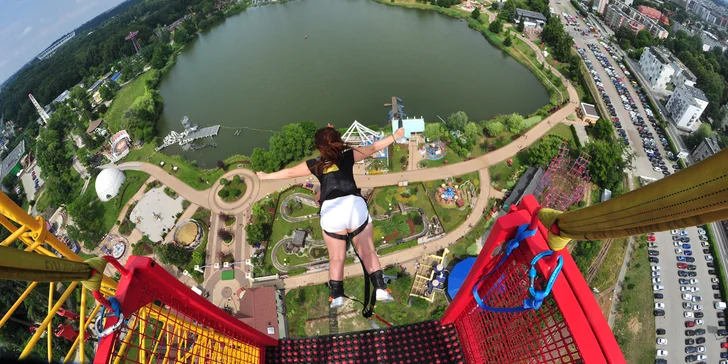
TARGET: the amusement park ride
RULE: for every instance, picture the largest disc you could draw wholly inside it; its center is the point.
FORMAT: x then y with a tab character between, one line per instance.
524	299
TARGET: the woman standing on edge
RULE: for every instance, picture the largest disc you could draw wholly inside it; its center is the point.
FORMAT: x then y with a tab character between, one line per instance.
343	209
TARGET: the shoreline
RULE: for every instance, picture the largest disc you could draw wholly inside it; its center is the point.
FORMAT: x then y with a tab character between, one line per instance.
553	91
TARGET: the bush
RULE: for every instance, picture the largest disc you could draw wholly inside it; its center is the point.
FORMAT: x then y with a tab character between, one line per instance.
236	178
223	193
224	181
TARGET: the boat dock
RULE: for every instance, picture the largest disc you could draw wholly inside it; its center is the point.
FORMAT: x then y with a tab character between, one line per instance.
189	135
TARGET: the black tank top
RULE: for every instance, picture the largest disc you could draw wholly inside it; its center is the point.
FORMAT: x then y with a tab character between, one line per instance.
338	179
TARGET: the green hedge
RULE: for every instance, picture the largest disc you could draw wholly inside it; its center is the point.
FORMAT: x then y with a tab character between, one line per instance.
579	8
576	136
719	269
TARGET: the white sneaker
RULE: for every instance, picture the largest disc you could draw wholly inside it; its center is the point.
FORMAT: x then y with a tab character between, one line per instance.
384	296
337	302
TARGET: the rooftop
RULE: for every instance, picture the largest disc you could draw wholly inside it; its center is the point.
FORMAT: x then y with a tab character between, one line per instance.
697	93
589	110
258	309
530	14
658	53
526	185
93	125
12	159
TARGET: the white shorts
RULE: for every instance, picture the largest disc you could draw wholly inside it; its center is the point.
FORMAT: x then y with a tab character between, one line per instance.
344	213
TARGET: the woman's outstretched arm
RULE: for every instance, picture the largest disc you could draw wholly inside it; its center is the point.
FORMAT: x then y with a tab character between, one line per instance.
365	152
300	170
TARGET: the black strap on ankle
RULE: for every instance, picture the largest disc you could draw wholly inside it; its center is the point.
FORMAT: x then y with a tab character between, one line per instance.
370	295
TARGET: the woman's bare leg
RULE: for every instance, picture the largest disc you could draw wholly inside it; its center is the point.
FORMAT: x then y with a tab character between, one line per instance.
364	245
337	255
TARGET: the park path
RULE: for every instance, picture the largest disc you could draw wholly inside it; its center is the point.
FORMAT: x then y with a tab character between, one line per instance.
257	190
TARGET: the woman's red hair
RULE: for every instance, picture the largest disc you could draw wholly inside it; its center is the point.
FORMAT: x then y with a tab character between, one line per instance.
328	142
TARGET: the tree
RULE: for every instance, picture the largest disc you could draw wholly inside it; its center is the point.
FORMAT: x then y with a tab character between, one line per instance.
494	128
457	121
494	6
607	163
107	93
541	153
87	214
173	254
180	36
514	123
507	42
472	131
603	130
521	25
159	60
496	26
508	12
256	233
433	131
475	14
704	131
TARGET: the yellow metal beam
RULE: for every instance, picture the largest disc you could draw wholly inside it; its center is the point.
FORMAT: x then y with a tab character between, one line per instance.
47	320
50	328
14	236
17	303
125	343
90	320
21	265
82	325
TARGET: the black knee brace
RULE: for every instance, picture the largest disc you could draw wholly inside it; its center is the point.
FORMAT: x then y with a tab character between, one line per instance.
377	279
336	289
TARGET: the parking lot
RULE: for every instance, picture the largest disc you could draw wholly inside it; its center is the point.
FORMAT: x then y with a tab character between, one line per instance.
670	295
626	104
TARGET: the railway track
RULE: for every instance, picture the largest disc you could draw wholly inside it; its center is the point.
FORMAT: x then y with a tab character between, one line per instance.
592	272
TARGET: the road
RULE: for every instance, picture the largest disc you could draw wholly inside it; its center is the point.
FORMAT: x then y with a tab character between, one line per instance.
673	322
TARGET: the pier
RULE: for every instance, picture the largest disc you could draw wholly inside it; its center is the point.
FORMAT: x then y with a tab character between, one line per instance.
189	135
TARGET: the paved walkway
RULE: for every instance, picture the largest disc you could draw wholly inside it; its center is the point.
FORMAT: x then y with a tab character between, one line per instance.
257	190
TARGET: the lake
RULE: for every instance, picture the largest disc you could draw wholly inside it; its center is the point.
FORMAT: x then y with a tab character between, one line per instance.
336	61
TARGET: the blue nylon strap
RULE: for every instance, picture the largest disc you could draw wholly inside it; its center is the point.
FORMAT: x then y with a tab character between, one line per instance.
537	297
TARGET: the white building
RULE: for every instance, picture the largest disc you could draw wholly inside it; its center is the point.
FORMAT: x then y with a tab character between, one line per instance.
656	68
411	126
684	77
108	183
685	106
48	52
600	6
531	19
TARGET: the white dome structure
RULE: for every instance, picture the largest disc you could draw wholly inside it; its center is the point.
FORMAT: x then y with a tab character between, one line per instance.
108	183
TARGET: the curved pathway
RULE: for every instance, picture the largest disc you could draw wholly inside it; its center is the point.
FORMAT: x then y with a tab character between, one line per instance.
305	199
257	190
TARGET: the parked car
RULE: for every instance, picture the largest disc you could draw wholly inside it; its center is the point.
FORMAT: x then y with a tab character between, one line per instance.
653	252
659	312
660	331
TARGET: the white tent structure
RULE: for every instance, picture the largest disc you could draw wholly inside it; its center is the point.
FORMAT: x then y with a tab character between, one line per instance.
108	183
359	135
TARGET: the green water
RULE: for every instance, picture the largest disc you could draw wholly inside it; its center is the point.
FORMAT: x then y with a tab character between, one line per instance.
257	70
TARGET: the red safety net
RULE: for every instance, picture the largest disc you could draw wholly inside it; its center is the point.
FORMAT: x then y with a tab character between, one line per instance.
170	321
568	328
424	342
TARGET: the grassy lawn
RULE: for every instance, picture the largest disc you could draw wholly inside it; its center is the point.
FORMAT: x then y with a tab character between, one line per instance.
634	325
112	208
281	228
505	177
399	158
608	271
305	210
449	158
413	195
123	99
450	216
233	190
187	171
464	248
309	302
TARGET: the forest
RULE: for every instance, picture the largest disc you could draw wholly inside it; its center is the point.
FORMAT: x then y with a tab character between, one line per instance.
97	47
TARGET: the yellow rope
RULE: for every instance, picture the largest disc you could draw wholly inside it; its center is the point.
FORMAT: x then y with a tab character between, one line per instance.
98	264
693	196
